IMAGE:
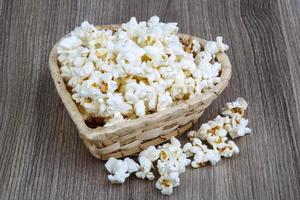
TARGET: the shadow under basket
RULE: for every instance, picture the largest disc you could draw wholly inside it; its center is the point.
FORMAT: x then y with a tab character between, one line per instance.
131	137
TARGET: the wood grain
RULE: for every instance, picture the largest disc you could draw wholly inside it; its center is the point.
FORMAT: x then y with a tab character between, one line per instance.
41	154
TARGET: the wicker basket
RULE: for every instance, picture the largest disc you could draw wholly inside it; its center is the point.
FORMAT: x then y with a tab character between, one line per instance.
131	137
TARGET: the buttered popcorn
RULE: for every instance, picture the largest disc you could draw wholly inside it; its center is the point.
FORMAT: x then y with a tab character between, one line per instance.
136	70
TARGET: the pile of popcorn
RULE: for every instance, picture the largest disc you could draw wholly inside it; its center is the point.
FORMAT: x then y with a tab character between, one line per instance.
171	159
136	70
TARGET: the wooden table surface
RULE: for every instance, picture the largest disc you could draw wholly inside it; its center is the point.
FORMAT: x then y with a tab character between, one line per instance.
41	154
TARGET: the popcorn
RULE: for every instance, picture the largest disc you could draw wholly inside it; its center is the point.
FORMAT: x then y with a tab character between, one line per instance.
118	170
151	153
145	168
172	158
70	42
164	101
139	69
236	107
212	130
117	118
132	165
196	46
166	184
238	126
201	153
116	103
221	46
227	149
215	47
139	108
208	155
171	164
85	70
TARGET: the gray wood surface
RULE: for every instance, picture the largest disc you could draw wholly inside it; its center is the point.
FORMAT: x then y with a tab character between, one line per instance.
41	154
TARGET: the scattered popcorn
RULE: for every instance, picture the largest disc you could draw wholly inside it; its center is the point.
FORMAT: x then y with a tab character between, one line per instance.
236	107
238	126
118	170
207	155
216	130
132	165
146	159
171	163
201	153
171	159
227	149
138	69
145	168
165	184
151	153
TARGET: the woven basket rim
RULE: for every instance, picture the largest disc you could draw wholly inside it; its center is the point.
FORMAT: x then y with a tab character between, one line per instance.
100	133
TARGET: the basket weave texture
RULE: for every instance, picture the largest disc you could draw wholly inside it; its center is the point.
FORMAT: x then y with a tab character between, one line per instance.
131	137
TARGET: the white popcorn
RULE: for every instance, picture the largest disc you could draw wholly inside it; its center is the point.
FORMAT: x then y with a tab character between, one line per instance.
212	131
132	165
117	118
221	46
165	184
171	164
164	101
215	47
139	108
236	107
187	150
151	153
175	142
118	170
145	168
208	155
172	158
203	55
139	69
238	126
66	72
196	46
227	149
201	153
70	42
116	103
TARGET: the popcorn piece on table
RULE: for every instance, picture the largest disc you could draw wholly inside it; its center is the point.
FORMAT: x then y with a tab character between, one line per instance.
239	106
151	153
226	149
213	129
171	163
216	130
201	153
166	183
238	126
145	168
146	159
120	169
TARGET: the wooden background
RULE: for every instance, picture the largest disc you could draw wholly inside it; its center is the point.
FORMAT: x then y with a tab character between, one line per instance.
41	155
